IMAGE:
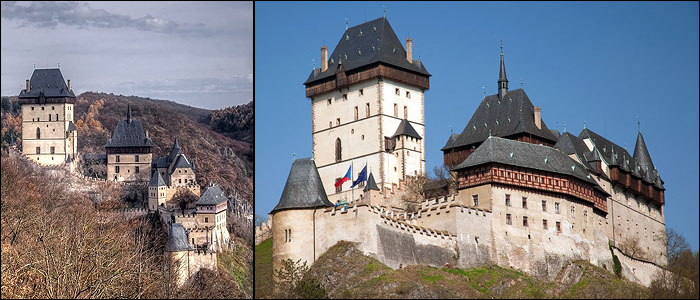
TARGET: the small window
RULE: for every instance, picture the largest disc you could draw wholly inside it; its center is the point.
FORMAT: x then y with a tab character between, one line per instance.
337	121
136	158
544	205
345	96
408	94
573	211
38	133
330	124
396	110
38	150
53	108
398	93
556	208
525	202
356	113
116	169
53	150
56	117
558	226
49	117
137	170
32	107
206	220
117	158
507	200
508	221
405	112
367	110
362	92
290	235
42	108
329	101
585	216
544	224
524	221
475	199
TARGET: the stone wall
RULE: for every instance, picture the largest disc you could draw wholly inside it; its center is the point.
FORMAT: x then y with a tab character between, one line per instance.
637	270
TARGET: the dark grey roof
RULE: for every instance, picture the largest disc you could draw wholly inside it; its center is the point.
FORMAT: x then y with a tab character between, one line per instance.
511	115
371	184
71	126
526	155
175	151
213	196
368	43
502	72
641	153
571	144
156	179
177	239
304	188
405	128
450	141
160	162
182	162
129	133
555	133
49	82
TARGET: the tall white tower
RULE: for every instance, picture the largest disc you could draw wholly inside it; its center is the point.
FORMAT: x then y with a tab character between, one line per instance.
367	102
49	136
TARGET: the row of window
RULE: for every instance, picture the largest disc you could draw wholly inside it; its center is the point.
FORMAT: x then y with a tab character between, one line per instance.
287	235
52	150
39	119
544	206
136	158
52	108
116	169
525	223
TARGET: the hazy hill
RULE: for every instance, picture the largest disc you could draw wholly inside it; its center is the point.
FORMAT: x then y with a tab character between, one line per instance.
218	156
346	273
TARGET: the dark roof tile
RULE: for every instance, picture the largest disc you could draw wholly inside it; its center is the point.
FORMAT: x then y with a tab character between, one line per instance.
304	188
49	82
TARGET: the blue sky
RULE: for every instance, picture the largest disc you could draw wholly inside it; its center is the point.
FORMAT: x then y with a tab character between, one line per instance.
602	63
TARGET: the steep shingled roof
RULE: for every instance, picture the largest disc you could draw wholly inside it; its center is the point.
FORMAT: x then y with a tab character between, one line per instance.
641	154
177	239
450	141
304	188
129	133
526	155
370	42
156	180
50	82
405	128
371	183
213	196
511	115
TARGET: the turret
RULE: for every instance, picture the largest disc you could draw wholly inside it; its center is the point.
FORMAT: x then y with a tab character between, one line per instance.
502	80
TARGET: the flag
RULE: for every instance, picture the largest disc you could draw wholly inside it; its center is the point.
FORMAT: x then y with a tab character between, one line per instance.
344	179
362	176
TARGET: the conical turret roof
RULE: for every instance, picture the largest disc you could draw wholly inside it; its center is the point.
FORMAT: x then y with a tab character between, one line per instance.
371	183
304	188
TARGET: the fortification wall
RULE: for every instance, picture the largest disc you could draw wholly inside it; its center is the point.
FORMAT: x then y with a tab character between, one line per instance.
637	270
264	231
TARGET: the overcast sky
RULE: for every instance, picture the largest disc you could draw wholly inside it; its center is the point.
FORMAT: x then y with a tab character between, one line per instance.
195	53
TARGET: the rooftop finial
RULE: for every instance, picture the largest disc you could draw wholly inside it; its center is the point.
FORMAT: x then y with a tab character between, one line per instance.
294	156
128	112
483	89
450	130
564	127
521	83
346	23
639	125
502	80
584	124
384	7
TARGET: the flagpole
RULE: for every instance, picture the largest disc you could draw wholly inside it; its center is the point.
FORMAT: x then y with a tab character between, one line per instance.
352	189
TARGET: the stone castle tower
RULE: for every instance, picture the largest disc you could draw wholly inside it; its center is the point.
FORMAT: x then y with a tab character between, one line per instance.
49	136
367	104
129	153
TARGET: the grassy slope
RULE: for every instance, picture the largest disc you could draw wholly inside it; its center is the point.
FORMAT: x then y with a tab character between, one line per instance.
347	273
237	263
263	269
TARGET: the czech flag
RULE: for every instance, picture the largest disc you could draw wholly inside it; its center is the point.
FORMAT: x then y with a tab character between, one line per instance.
345	178
360	177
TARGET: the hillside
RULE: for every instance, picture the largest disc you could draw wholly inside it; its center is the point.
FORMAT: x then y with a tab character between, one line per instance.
346	273
218	157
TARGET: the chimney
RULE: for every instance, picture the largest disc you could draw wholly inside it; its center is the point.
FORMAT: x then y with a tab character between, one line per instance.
409	50
538	117
28	87
69	85
324	58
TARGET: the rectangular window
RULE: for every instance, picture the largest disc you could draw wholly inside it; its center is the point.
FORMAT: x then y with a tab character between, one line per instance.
32	107
558	226
329	101
206	220
398	93
405	112
362	92
408	94
136	158
116	169
367	110
475	198
525	202
556	207
345	96
337	121
53	150
508	222
117	158
53	108
38	150
544	224
396	110
524	221
356	113
49	117
544	205
507	200
137	170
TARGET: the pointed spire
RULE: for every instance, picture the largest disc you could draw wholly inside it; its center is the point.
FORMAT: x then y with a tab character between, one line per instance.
641	154
502	80
128	112
176	144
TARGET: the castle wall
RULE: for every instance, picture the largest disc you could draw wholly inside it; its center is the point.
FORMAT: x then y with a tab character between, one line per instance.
127	167
301	244
184	264
637	270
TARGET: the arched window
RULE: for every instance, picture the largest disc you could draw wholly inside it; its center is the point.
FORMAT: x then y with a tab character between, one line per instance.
338	150
38	133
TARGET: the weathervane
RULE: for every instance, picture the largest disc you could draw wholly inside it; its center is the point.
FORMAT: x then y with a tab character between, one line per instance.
294	156
384	7
521	83
483	89
346	23
639	125
584	124
314	62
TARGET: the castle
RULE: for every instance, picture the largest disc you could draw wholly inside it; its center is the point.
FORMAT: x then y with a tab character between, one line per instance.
525	196
50	138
